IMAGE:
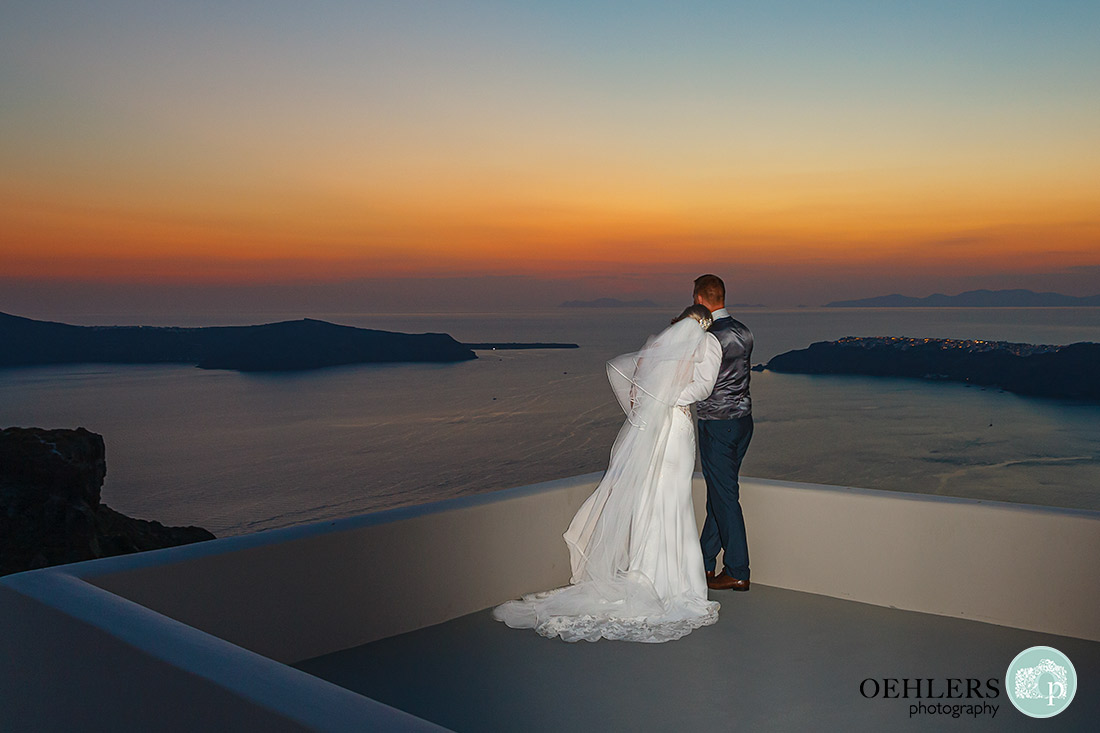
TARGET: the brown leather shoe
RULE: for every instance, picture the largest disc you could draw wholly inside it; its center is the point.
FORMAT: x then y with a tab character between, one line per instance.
725	582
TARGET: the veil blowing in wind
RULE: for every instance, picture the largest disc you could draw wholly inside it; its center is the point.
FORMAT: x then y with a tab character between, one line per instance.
627	543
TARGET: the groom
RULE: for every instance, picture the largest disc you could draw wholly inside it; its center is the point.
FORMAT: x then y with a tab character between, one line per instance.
725	429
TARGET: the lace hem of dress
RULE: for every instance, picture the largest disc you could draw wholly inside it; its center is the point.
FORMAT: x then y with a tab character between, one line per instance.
681	619
594	628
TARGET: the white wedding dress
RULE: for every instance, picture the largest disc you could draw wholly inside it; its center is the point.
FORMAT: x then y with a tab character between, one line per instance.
634	544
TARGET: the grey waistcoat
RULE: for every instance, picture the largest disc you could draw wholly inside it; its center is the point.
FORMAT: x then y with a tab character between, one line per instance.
730	398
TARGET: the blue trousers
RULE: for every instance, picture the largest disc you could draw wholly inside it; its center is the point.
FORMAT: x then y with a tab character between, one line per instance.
722	447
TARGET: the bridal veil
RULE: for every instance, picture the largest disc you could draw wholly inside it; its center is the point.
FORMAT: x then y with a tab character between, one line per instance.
610	594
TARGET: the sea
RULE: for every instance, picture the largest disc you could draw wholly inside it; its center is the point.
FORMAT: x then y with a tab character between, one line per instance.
239	453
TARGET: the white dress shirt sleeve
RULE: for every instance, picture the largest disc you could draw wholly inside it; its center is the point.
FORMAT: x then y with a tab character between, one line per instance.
706	372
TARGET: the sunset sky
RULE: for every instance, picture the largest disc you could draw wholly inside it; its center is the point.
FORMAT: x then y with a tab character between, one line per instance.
807	151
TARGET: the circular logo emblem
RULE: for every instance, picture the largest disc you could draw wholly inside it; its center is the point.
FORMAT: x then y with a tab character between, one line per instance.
1041	682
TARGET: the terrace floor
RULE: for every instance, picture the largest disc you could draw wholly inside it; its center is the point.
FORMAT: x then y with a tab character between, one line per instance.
776	660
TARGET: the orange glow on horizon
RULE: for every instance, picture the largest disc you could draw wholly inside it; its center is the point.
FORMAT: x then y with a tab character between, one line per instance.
370	140
300	237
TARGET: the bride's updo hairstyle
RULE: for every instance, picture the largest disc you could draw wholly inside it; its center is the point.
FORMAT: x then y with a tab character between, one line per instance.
699	312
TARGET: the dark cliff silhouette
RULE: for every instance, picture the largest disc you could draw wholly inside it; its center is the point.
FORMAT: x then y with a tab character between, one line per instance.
287	346
50	510
1069	372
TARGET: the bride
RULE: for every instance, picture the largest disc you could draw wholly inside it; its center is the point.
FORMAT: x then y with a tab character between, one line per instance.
633	544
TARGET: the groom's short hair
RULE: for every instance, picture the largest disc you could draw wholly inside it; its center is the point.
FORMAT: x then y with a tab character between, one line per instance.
710	287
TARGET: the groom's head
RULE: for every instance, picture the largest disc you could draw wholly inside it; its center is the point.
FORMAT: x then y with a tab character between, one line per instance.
710	291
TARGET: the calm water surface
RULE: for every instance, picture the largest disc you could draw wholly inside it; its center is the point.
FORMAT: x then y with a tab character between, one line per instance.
239	453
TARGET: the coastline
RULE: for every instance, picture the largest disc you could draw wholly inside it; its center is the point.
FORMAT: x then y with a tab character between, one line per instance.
242	452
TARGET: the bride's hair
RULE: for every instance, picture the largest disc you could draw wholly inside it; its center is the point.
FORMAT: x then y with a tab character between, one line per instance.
699	312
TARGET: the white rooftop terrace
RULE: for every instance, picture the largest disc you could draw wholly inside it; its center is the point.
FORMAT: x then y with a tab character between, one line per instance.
776	660
380	622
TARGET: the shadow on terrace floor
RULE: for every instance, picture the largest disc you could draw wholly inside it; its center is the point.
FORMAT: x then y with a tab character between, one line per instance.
776	660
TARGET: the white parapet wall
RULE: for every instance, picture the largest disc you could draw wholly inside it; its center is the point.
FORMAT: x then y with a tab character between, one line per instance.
205	629
1017	565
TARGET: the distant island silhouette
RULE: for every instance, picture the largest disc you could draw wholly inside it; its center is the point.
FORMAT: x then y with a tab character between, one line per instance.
286	346
609	303
1040	370
511	346
616	303
972	299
